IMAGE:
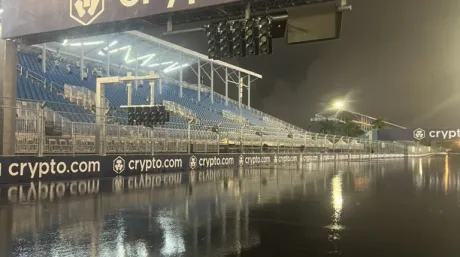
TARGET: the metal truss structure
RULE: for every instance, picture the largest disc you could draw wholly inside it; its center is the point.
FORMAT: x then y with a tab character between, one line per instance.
364	121
141	53
234	10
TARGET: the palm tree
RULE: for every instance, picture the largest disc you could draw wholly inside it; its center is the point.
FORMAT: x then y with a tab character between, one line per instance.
351	129
379	123
327	126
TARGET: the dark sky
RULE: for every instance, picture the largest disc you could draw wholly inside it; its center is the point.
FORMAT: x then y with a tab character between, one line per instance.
396	59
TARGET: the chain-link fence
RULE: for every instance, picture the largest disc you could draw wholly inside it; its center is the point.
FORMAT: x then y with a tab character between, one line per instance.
41	130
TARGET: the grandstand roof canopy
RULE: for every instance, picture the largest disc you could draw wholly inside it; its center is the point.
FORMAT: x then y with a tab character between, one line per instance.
232	10
129	48
36	22
342	115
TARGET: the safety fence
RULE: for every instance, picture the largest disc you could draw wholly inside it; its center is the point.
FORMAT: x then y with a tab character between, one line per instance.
42	131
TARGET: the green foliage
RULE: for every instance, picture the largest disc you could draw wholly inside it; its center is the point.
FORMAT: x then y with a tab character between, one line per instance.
348	128
379	124
327	126
351	129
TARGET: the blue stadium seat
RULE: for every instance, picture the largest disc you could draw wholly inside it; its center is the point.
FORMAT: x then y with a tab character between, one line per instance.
204	109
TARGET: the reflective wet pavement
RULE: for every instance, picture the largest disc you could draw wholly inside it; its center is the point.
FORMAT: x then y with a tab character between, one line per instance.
386	208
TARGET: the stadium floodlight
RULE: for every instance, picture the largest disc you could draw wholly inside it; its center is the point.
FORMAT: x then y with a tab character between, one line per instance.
339	105
176	68
87	43
65	42
101	53
113	43
127	54
1	10
170	67
147	60
93	43
140	58
158	64
119	49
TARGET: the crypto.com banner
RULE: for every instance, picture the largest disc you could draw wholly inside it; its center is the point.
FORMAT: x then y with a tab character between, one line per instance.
436	134
25	17
26	169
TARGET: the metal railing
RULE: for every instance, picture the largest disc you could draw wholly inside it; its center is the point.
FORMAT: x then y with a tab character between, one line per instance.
180	110
39	78
40	131
33	135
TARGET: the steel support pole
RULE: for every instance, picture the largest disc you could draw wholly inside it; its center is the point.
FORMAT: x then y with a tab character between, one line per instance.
130	92
152	92
40	130
212	82
136	71
108	64
226	86
180	81
189	136
44	58
100	118
199	80
160	81
247	11
8	91
240	89
82	61
249	91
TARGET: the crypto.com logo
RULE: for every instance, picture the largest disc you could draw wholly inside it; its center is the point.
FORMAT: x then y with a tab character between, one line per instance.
193	162
119	165
419	134
86	11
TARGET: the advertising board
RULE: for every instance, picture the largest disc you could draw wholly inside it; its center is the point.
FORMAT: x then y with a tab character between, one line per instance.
26	169
27	17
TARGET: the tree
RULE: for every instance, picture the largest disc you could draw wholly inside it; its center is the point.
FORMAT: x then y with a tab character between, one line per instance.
379	124
351	129
327	126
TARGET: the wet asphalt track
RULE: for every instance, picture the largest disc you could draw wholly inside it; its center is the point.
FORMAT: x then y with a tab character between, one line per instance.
387	208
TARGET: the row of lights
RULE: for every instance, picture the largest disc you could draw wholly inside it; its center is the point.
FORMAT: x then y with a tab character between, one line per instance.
145	58
239	38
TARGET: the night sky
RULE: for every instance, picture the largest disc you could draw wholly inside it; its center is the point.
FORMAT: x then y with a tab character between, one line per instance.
396	59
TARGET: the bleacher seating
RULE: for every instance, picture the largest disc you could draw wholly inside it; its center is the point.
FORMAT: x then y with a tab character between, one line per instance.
32	90
204	109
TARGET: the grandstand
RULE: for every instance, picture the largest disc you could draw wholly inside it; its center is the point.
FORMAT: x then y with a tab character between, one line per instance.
201	119
59	112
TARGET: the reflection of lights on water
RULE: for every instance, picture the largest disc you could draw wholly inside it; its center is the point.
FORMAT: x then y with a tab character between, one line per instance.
172	236
337	205
141	249
420	167
337	199
120	238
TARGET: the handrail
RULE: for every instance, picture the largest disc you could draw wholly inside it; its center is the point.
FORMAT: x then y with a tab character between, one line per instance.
180	110
51	85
